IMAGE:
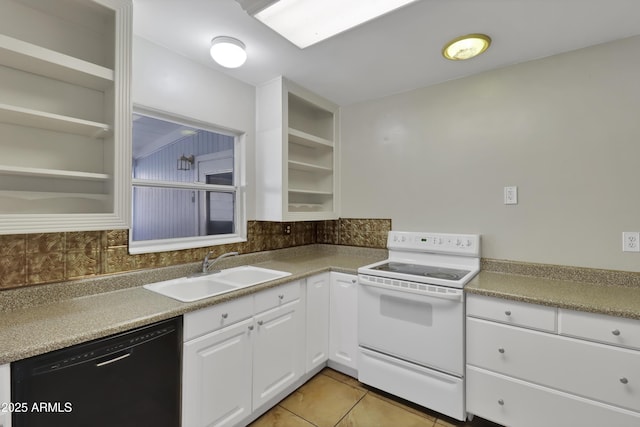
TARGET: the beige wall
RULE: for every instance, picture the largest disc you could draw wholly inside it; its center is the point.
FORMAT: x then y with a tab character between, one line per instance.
564	129
171	83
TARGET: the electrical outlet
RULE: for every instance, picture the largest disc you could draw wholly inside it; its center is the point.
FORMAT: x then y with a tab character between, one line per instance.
286	228
511	195
630	241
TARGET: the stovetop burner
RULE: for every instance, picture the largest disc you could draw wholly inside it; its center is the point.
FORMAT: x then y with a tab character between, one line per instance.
442	273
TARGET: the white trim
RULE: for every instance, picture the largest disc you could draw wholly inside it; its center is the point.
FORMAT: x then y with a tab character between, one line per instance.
162	245
198	186
240	221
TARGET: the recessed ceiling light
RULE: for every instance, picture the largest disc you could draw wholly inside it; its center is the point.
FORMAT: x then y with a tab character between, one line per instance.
228	52
466	47
306	22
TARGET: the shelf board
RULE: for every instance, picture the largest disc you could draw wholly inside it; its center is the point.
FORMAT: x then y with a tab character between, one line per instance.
43	195
35	59
308	167
316	206
13	114
52	173
315	192
302	138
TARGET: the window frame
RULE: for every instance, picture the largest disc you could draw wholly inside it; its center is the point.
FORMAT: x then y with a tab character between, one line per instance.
238	188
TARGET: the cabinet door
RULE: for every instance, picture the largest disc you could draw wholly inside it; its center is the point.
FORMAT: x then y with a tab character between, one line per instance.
5	394
216	384
343	323
278	357
317	320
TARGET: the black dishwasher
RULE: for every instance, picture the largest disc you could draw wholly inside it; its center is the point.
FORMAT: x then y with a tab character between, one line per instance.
131	379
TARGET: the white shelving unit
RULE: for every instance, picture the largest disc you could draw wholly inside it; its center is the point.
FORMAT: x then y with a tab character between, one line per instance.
297	152
65	116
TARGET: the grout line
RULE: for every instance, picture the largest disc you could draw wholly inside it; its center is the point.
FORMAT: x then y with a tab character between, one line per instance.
291	412
351	409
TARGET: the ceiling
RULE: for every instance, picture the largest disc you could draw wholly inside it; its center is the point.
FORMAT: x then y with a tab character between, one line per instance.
394	53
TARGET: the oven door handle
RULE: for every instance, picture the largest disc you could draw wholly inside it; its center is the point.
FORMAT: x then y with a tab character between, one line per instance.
457	296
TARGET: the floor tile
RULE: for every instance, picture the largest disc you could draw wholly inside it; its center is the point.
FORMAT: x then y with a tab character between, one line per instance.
323	401
280	417
404	405
372	411
343	378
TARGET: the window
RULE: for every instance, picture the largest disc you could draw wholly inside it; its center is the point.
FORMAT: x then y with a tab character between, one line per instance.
187	188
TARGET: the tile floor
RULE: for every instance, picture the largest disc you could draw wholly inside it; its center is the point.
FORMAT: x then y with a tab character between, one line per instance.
332	399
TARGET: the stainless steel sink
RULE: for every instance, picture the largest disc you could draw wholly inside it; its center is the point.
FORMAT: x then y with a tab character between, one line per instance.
189	289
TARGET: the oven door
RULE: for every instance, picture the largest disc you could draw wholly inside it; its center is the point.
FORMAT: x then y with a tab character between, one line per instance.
424	328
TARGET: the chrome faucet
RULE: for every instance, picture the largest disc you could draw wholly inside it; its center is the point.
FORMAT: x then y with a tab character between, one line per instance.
206	265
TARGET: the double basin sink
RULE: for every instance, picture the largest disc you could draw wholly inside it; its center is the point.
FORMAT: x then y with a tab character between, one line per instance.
194	288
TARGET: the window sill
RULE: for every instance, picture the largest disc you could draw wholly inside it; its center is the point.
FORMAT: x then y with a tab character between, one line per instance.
151	246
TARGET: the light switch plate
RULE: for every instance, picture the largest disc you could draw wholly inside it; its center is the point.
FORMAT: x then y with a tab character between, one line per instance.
511	195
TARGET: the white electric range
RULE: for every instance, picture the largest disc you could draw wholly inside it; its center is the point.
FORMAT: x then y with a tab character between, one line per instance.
411	318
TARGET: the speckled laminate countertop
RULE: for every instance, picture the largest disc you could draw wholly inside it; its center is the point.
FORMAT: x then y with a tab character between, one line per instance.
37	328
614	300
41	319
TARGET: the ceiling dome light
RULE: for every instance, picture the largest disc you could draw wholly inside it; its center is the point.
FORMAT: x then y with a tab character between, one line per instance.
466	47
228	52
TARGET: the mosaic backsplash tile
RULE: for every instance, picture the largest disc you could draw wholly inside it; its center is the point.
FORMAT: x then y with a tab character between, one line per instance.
370	233
32	259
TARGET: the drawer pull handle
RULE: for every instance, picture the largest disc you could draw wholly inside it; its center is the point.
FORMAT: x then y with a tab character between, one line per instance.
615	332
501	350
500	402
281	296
353	280
623	380
260	322
251	327
507	313
225	315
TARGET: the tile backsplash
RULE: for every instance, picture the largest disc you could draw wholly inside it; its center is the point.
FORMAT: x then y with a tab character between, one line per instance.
32	259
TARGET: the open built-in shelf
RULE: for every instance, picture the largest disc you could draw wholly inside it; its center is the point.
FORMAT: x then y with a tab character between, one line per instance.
65	115
298	151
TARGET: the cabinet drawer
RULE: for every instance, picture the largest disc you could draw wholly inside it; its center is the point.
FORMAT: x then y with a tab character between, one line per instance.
600	327
512	312
274	297
595	371
508	401
210	319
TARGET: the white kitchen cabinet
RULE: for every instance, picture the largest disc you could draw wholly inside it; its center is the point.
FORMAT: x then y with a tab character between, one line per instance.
5	395
516	370
206	320
278	352
296	152
217	377
343	323
65	115
600	328
514	313
241	355
513	402
317	302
